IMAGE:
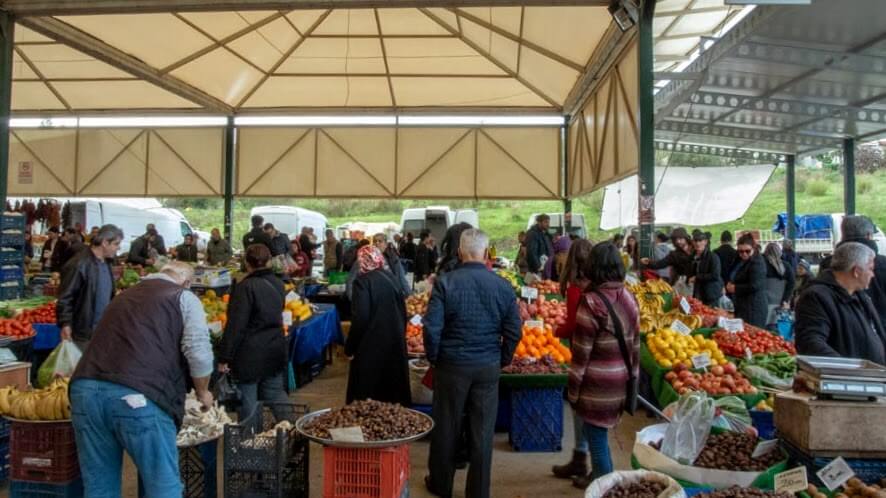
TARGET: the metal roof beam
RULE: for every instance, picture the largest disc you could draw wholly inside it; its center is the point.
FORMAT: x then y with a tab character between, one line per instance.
711	150
81	7
738	133
602	59
78	40
689	12
812	58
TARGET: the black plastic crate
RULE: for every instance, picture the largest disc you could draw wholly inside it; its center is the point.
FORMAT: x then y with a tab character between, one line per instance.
197	467
868	470
275	466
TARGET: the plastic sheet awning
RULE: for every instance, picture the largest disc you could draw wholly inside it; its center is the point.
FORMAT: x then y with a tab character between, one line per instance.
688	196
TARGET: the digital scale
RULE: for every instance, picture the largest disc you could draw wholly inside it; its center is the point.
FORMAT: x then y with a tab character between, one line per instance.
842	378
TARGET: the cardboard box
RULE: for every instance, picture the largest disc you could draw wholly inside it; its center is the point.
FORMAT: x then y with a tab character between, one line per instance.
16	374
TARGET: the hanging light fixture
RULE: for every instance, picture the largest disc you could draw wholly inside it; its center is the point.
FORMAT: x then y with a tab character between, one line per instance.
624	13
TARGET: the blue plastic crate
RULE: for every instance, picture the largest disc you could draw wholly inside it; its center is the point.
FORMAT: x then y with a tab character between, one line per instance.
24	489
4	431
690	492
503	419
537	419
8	293
12	239
866	469
426	409
9	274
12	256
764	422
12	222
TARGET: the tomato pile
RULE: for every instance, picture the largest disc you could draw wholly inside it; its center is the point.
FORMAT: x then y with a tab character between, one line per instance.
43	314
709	316
15	328
756	340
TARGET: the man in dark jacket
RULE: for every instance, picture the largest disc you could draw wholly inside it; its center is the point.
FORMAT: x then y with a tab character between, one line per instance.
218	250
128	391
257	235
307	242
861	229
425	259
87	287
187	251
835	317
159	244
471	330
726	253
539	244
279	241
679	259
140	249
706	280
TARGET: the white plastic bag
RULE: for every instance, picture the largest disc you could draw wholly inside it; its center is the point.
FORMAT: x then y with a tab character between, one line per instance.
601	486
682	287
689	428
60	363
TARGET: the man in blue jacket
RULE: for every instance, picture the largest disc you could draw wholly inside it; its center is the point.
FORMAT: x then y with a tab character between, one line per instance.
539	245
471	330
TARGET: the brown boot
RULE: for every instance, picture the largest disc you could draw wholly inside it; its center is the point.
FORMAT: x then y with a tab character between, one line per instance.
578	466
582	481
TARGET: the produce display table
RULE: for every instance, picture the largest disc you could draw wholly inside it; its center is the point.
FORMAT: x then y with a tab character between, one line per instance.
309	339
340	300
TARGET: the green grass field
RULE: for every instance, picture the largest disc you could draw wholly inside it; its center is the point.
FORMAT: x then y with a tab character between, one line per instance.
817	192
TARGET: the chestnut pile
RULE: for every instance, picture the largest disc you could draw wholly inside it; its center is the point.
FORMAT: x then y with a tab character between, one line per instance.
639	489
732	451
855	488
379	421
737	492
546	365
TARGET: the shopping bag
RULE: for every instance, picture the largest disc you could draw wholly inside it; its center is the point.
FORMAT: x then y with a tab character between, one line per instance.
227	393
428	379
60	363
689	428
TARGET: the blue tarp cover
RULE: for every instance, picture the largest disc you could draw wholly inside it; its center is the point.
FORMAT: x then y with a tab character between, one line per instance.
808	226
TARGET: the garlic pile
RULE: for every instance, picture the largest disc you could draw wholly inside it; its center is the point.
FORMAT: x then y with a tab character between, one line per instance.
199	426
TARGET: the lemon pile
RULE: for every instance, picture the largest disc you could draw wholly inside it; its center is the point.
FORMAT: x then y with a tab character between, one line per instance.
670	348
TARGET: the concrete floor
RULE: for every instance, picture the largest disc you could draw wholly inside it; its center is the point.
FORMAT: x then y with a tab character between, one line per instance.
514	475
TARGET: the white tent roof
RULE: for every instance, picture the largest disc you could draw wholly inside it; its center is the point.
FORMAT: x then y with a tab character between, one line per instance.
719	195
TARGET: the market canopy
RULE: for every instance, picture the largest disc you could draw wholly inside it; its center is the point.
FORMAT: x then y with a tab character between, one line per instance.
786	80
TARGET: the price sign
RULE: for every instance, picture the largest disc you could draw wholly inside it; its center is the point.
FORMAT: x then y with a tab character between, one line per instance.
347	434
764	448
680	328
215	327
529	293
731	325
534	324
684	305
702	360
415	320
835	474
291	296
748	355
287	319
791	481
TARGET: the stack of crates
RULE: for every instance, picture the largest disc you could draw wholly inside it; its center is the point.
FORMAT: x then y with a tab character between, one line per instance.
366	472
43	460
263	462
12	256
4	449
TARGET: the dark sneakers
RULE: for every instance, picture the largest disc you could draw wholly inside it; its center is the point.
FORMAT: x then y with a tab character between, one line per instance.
578	466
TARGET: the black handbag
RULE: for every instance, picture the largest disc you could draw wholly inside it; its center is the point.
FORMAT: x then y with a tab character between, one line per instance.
632	386
227	393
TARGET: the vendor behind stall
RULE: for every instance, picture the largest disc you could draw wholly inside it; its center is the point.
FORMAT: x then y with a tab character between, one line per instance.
834	316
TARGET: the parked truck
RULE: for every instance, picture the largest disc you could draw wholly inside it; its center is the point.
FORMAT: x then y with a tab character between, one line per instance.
437	219
817	234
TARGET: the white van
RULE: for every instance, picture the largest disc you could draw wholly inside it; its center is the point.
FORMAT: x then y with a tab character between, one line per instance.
558	224
132	218
437	219
291	220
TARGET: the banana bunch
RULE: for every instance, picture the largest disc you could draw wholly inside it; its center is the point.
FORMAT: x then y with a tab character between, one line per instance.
50	403
691	321
511	277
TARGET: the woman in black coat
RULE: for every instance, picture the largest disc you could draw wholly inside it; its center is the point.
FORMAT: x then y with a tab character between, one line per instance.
679	259
708	286
780	280
748	283
253	347
376	343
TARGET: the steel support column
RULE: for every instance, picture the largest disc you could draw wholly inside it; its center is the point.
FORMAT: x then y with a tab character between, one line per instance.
564	171
791	189
230	157
849	176
646	173
7	35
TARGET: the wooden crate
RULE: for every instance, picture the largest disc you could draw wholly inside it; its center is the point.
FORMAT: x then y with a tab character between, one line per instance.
852	429
16	374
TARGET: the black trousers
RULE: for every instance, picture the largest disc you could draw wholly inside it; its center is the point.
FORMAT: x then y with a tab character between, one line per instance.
459	390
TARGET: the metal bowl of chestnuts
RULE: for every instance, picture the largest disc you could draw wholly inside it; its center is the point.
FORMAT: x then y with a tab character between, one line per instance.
365	424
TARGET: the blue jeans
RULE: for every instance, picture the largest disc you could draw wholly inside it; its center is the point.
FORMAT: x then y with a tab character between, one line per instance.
598	440
267	389
581	442
105	425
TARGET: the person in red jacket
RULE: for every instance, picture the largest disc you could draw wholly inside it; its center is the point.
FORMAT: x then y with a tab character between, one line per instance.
572	285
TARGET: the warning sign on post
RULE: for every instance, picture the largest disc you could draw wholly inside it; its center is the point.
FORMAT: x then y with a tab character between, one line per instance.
25	172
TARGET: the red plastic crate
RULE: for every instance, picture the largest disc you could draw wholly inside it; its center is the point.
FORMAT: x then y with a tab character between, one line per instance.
43	452
365	472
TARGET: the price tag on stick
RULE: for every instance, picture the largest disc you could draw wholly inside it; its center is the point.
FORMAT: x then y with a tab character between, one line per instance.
534	324
835	474
287	319
415	320
791	481
680	327
347	434
684	305
529	293
702	360
732	325
764	448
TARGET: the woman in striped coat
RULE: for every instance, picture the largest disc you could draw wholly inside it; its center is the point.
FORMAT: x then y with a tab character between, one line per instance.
598	375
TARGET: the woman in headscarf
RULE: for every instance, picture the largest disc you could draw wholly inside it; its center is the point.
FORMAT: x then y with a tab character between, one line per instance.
554	266
779	280
376	343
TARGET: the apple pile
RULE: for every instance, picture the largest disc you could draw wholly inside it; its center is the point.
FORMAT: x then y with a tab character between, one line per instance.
551	311
719	380
546	286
